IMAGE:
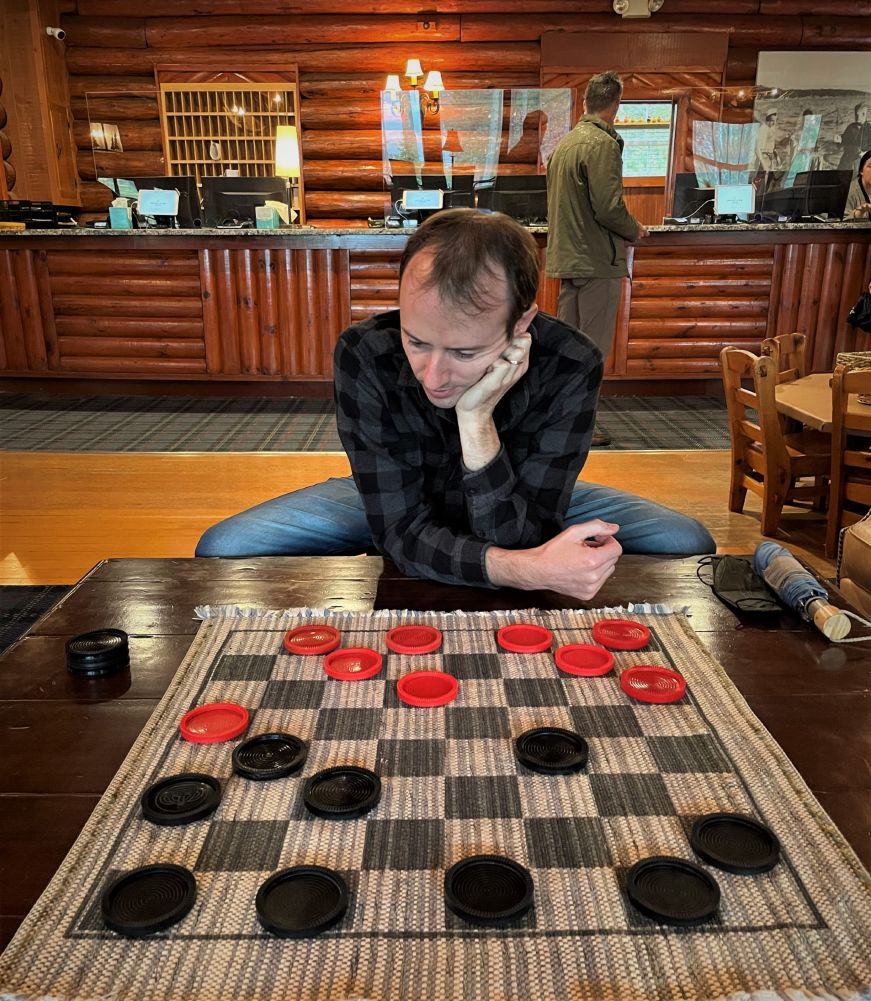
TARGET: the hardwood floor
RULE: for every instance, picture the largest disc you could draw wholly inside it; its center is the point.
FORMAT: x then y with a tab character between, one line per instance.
63	512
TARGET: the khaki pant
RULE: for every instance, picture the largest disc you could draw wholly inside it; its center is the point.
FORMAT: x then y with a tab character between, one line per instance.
591	305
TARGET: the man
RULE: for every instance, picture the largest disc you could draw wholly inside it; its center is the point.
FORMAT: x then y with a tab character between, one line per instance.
767	155
856	137
588	222
466	416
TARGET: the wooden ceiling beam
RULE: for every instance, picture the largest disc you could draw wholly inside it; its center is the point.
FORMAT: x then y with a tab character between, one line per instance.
480	58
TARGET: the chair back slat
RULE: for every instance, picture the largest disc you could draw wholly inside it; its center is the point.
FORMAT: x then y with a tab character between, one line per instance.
789	352
850	468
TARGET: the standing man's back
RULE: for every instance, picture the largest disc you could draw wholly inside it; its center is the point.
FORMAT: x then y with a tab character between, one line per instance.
588	222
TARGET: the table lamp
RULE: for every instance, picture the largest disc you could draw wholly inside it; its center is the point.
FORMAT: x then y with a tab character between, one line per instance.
287	157
452	145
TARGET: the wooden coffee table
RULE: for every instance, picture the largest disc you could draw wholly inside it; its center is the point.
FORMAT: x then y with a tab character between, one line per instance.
62	739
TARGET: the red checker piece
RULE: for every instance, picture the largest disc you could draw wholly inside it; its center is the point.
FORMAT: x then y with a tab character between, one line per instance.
214	722
353	663
525	638
427	688
584	659
313	639
621	634
414	639
650	683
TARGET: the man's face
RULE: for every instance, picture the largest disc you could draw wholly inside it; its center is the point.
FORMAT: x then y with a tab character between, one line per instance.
449	350
861	114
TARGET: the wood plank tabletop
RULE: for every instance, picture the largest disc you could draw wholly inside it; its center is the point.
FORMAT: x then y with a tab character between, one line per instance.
809	400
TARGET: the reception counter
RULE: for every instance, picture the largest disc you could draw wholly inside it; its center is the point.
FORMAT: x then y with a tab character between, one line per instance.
249	310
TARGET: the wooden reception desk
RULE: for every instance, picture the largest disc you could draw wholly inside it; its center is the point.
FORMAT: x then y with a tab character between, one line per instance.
245	310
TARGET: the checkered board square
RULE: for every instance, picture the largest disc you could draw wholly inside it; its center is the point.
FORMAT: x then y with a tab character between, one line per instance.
451	788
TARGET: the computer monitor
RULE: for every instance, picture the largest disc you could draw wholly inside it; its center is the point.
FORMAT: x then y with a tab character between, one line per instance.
188	198
234	200
689	199
455	194
521	196
814	193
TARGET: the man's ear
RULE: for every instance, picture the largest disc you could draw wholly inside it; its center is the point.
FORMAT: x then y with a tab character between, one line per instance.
523	323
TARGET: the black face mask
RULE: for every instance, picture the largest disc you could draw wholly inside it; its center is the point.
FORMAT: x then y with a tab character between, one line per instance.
736	584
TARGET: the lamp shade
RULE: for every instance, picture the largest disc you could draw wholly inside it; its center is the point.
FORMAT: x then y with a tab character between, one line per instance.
452	142
392	83
413	68
286	151
433	82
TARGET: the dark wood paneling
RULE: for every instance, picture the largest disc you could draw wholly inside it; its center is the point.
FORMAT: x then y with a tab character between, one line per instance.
758	32
342	61
271	308
274	312
109	318
388	58
314	29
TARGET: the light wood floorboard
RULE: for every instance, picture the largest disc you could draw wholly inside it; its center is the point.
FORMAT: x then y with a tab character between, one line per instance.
63	512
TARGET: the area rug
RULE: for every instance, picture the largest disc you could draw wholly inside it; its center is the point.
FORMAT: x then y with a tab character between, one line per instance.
21	606
187	424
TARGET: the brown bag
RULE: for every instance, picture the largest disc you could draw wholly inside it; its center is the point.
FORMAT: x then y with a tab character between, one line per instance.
854	564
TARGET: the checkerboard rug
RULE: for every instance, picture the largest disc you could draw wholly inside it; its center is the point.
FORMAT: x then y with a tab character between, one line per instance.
182	424
451	788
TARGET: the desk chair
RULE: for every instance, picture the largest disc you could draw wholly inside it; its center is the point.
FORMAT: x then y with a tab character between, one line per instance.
851	464
765	459
789	352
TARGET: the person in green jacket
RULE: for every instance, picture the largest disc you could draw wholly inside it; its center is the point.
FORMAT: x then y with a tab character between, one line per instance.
588	222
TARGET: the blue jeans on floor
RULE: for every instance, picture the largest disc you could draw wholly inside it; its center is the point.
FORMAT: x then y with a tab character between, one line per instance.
328	520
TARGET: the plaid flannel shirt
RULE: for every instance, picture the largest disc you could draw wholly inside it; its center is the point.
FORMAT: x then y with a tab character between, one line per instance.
430	514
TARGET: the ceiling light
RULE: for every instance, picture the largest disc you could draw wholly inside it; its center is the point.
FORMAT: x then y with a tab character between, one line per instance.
636	8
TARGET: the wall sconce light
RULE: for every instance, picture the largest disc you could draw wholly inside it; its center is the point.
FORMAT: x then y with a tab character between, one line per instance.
429	90
429	96
637	8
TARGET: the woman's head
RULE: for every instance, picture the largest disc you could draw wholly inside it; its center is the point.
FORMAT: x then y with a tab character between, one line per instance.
864	171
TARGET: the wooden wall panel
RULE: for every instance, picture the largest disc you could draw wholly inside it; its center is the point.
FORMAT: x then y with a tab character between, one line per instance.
678	326
273	312
814	285
374	283
28	341
343	54
113	318
260	309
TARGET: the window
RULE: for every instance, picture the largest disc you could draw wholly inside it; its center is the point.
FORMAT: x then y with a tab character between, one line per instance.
646	130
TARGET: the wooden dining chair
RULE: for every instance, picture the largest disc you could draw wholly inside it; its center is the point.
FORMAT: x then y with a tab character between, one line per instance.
789	352
850	478
765	459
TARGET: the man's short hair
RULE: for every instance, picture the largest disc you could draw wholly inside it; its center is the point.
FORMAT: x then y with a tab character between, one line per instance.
469	247
603	91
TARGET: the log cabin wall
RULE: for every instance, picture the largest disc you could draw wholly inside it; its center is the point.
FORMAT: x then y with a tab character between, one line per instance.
343	57
212	310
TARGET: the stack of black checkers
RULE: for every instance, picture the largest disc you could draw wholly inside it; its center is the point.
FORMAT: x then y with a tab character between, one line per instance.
98	653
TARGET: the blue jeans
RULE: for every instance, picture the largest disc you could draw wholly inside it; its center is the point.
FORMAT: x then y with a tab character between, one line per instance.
327	519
